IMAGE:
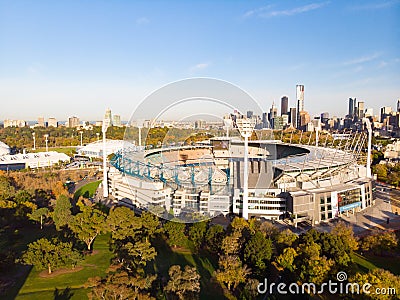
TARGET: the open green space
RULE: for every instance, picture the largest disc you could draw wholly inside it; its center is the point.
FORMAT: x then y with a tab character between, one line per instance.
87	190
369	262
37	287
66	150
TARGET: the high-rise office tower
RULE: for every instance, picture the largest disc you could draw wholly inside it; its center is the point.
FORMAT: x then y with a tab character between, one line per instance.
73	122
117	120
41	122
398	105
293	116
52	122
324	117
385	112
108	116
249	114
360	110
300	102
352	107
284	105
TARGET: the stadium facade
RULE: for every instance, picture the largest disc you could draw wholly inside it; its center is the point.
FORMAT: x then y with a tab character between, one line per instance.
285	181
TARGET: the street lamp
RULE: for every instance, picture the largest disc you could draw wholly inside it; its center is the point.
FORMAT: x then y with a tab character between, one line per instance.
34	141
246	127
46	136
106	124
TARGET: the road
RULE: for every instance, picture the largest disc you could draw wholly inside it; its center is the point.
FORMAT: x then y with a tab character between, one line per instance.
389	195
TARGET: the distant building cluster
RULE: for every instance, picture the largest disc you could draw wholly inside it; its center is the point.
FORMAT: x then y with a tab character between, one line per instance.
72	122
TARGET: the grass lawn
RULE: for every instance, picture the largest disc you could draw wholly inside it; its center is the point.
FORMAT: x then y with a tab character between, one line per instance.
67	150
87	190
37	287
370	262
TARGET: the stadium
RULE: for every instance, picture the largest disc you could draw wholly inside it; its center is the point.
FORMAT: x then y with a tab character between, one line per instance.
291	182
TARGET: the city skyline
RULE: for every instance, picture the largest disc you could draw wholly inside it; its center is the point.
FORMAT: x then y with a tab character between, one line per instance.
117	54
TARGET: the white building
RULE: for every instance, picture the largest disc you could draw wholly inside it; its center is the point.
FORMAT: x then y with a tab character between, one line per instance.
95	149
32	160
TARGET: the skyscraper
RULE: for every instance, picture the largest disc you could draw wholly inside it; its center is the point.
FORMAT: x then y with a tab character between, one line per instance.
52	122
398	105
41	122
117	120
284	105
249	114
352	107
360	110
300	102
108	116
293	116
73	122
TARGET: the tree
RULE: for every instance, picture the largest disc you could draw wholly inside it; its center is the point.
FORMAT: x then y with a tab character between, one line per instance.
7	191
286	238
50	254
214	237
151	224
176	233
286	259
39	214
184	283
120	285
347	235
231	271
88	224
380	242
378	278
138	254
257	251
232	243
123	223
196	234
62	212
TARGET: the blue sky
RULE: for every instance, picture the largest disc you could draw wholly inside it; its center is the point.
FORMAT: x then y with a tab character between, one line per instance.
61	58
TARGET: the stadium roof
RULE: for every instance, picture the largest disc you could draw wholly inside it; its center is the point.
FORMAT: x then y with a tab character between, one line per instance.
4	149
95	149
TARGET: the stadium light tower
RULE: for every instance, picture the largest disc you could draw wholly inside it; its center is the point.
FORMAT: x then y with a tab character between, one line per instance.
98	136
369	129
246	127
81	132
106	124
228	124
140	126
34	141
46	136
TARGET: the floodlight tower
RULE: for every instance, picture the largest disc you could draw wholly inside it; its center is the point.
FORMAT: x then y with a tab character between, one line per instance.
369	129
246	127
98	136
106	124
140	126
81	132
46	136
34	141
228	124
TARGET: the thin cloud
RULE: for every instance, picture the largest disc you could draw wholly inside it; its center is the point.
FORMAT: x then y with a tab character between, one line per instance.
382	64
267	12
200	67
257	11
376	5
142	21
362	59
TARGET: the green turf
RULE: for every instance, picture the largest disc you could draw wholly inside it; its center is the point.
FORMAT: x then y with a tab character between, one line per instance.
37	287
87	190
67	150
370	262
